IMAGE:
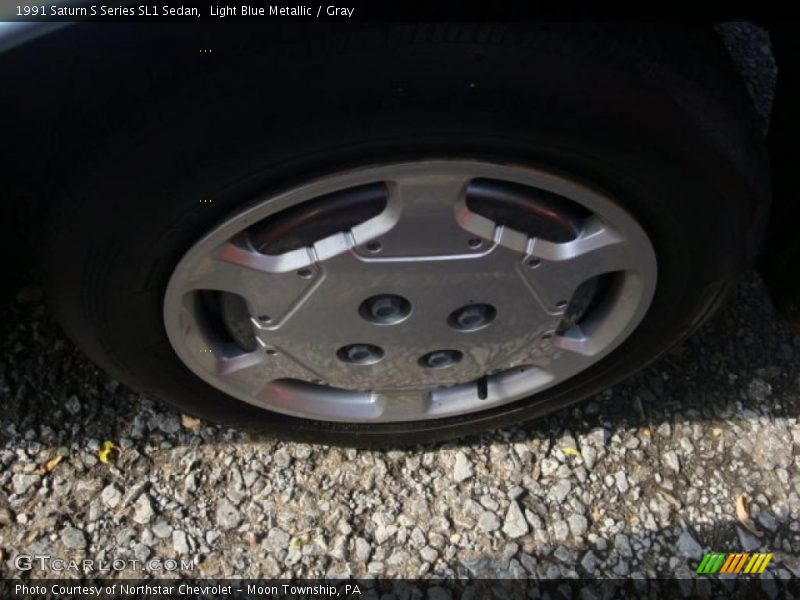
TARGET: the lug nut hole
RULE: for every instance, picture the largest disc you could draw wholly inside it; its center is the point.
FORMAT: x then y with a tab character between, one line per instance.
472	317
533	262
304	273
385	309
360	354
474	243
374	247
440	359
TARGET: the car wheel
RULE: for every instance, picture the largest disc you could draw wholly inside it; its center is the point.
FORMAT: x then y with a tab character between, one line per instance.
418	242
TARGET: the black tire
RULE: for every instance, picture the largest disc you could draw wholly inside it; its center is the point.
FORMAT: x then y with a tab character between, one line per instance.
655	116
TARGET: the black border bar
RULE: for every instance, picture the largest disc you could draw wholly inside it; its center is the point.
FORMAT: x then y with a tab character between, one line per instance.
383	11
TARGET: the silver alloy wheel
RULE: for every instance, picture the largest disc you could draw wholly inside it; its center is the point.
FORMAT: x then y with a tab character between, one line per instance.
426	309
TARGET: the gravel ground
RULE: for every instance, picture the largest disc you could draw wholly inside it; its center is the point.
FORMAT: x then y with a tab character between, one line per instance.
639	481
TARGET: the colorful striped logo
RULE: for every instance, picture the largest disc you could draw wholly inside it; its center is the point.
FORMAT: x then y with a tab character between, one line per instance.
741	562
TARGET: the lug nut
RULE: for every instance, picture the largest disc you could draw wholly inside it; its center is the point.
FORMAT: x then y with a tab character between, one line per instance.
385	309
472	317
360	354
440	359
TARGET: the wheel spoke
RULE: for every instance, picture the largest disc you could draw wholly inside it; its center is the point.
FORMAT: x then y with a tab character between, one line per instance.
274	286
260	372
560	268
428	207
261	367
